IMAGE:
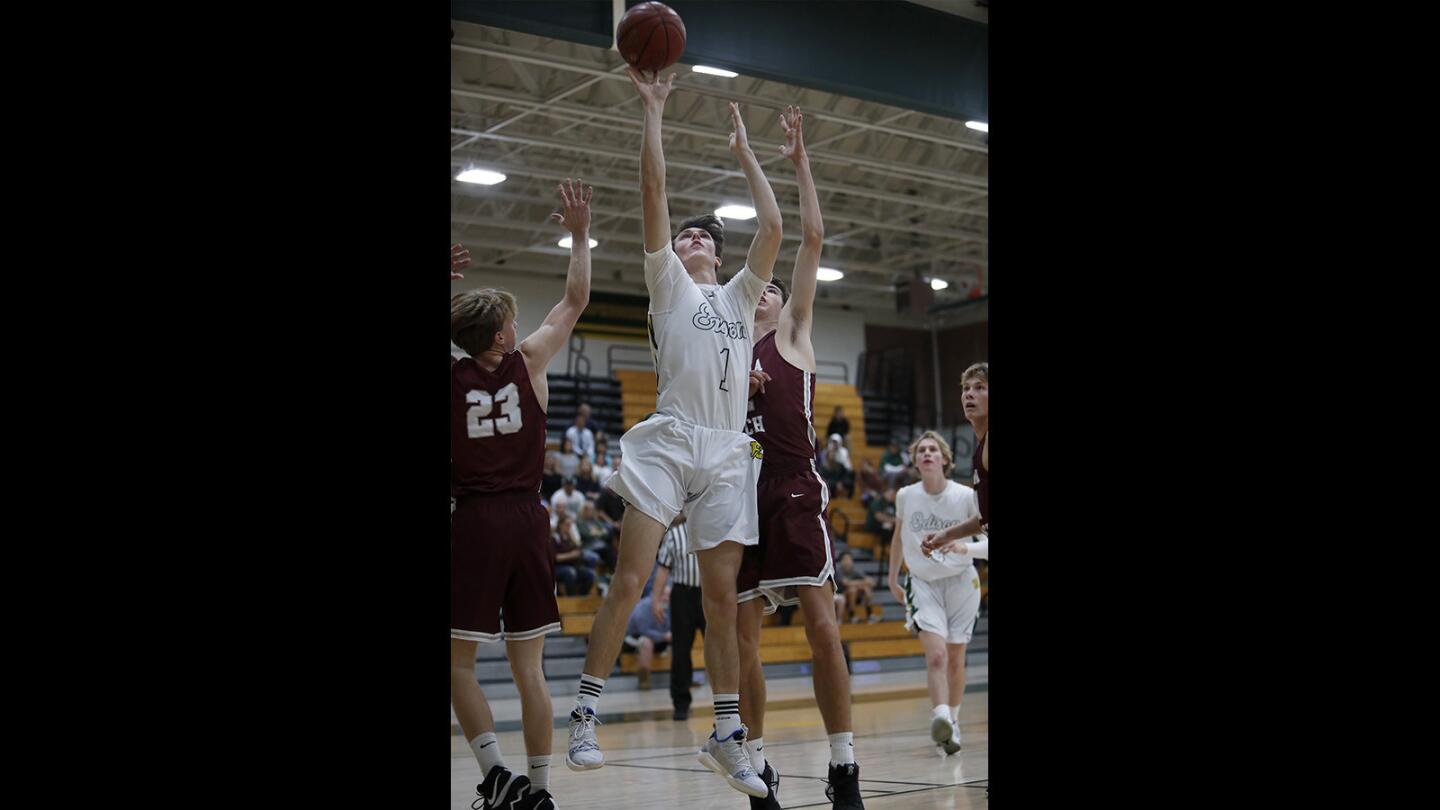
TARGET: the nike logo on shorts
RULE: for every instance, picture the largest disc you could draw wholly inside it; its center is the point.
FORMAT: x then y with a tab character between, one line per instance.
796	494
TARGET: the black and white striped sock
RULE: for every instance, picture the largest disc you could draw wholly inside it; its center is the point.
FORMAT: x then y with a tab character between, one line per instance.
727	715
589	695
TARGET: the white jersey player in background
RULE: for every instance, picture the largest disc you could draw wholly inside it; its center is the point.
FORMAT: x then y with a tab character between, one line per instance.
942	592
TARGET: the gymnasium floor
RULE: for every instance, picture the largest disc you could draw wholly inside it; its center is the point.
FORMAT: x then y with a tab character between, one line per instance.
651	763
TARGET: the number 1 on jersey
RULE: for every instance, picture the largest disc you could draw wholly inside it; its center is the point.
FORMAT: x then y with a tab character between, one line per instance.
726	373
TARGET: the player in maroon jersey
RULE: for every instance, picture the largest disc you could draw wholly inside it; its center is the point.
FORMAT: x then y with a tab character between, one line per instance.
500	561
975	397
794	561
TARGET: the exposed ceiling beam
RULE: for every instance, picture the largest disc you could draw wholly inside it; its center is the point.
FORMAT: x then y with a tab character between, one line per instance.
577	66
952	180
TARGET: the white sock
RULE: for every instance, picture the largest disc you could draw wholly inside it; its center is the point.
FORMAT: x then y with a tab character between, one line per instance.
540	773
487	751
727	715
942	710
842	748
756	749
589	695
955	714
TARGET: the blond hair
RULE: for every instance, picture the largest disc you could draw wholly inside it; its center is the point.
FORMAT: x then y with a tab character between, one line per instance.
475	317
945	451
980	371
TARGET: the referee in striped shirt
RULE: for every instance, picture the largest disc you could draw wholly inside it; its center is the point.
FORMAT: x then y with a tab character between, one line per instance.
682	569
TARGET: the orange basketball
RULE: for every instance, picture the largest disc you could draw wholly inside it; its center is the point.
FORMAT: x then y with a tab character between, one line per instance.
651	37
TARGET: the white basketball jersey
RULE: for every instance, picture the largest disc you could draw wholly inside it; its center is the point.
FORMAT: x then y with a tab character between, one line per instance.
701	341
921	513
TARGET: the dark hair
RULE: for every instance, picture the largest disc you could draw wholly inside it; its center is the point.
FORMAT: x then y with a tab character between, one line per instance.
784	290
712	225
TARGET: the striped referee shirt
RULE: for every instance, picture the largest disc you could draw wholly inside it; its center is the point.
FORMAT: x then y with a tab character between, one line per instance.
684	568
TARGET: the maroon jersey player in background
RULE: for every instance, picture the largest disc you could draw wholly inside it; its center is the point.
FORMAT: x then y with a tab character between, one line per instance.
794	561
500	535
975	397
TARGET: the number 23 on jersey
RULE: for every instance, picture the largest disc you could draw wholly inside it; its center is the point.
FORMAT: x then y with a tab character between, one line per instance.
481	404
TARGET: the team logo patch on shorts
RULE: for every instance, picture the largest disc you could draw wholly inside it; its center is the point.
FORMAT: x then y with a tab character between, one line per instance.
756	451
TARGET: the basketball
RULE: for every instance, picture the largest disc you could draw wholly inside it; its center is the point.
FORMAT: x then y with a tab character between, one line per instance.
651	37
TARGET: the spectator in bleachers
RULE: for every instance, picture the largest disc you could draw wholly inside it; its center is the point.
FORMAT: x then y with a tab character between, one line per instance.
604	459
569	462
571	569
586	481
550	476
596	426
869	483
880	516
597	535
839	426
836	470
858	589
646	636
567	497
580	435
893	467
568	528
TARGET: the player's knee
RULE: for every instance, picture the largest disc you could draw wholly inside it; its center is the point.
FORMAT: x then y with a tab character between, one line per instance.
717	599
524	657
725	587
828	646
530	682
460	673
626	586
824	637
956	660
936	659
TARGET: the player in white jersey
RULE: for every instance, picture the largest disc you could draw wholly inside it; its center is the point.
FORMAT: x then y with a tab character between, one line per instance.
942	592
691	456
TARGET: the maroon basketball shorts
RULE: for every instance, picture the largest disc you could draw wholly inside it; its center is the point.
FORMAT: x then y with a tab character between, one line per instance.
795	546
502	575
